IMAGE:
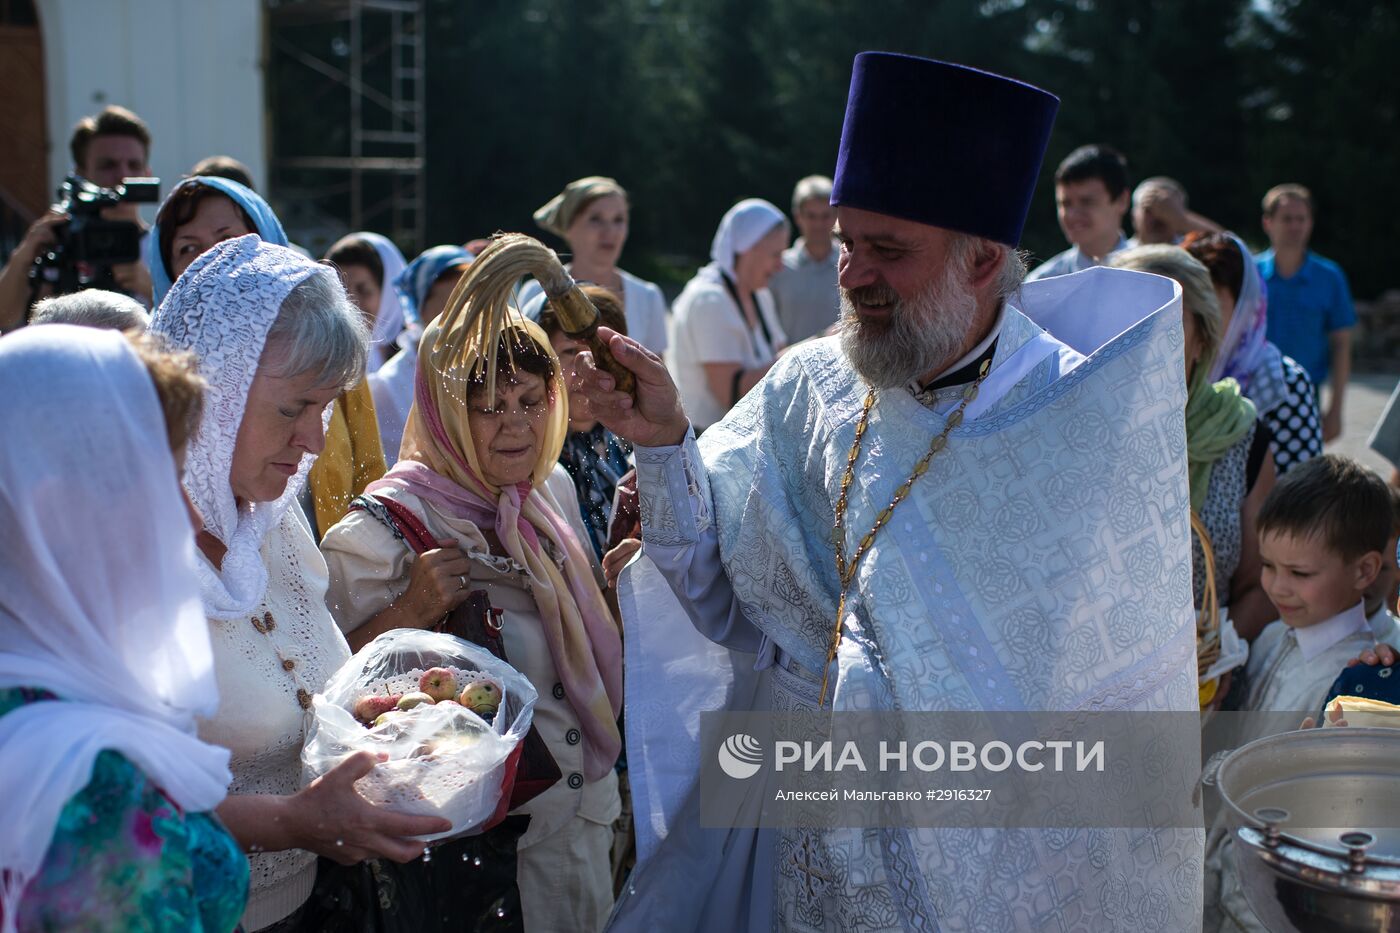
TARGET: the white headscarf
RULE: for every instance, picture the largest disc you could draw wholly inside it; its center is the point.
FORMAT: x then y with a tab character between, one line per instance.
222	308
388	320
98	598
742	226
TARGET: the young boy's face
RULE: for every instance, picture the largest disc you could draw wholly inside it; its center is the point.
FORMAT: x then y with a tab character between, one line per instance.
1308	582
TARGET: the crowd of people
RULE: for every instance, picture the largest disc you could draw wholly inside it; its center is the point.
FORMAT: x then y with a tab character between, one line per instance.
204	475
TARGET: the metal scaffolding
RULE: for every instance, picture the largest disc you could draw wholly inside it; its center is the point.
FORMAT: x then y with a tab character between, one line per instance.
369	177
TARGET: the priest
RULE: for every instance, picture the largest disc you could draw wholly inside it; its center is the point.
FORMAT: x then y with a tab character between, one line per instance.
974	498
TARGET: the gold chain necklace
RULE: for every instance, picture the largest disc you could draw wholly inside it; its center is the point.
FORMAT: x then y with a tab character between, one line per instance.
846	569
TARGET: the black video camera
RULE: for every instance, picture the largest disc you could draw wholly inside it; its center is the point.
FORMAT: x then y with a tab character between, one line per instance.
88	244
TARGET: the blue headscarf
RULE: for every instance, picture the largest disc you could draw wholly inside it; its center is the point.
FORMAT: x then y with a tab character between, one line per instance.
268	227
414	283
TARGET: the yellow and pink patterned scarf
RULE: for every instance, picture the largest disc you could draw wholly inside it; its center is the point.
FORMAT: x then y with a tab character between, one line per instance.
438	463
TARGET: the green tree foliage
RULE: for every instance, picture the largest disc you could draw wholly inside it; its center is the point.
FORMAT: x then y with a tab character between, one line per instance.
1324	114
693	104
690	104
1156	80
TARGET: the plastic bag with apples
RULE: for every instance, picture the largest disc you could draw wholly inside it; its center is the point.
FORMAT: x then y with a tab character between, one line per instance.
425	699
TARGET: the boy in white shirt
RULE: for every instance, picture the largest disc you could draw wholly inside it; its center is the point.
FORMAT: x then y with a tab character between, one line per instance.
1323	532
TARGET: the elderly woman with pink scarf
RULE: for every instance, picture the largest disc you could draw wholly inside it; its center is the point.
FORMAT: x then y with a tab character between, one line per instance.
481	473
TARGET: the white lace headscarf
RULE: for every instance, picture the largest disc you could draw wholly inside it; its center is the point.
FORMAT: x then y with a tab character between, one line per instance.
222	308
98	598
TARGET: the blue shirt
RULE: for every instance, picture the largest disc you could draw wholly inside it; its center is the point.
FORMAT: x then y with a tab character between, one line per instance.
1305	308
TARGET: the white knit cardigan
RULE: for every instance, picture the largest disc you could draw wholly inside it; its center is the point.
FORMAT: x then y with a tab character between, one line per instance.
268	664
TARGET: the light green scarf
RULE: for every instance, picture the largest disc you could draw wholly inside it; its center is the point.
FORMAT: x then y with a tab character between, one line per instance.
1217	416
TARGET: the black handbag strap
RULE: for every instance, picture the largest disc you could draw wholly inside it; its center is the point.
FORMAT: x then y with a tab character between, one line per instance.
757	313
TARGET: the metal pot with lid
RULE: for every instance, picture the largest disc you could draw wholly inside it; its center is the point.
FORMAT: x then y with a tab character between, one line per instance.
1316	819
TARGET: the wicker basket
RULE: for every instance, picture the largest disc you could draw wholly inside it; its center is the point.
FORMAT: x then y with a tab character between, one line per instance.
1207	615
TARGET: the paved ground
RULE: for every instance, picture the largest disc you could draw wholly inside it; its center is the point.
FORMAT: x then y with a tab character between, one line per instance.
1366	397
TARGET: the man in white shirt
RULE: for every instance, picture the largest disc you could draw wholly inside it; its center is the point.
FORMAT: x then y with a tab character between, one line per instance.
1091	197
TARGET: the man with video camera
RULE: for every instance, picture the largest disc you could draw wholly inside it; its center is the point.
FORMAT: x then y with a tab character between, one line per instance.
107	148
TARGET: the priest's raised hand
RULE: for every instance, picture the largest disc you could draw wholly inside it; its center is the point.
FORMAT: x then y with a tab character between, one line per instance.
654	418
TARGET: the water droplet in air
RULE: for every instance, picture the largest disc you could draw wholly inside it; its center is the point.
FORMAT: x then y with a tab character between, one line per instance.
340	842
427	854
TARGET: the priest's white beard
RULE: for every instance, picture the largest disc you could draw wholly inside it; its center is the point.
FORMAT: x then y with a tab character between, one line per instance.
923	334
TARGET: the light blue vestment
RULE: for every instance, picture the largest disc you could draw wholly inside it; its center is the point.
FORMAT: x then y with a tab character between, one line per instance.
1043	563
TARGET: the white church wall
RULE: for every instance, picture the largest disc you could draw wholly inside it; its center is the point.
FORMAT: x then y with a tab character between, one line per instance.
192	69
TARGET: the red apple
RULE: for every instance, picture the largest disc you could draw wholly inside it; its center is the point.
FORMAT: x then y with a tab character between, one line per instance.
370	707
438	683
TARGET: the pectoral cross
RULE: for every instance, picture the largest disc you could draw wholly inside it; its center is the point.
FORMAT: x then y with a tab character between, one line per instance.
806	866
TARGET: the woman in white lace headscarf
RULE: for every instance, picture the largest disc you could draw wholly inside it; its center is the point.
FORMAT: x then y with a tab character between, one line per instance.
277	340
105	790
725	333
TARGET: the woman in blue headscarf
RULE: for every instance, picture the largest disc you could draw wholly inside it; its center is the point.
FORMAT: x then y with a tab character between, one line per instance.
423	289
199	212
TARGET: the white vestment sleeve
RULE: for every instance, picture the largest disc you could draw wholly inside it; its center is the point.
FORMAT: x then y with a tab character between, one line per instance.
679	535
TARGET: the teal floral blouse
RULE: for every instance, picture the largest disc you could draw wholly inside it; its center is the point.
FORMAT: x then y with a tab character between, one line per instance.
124	857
